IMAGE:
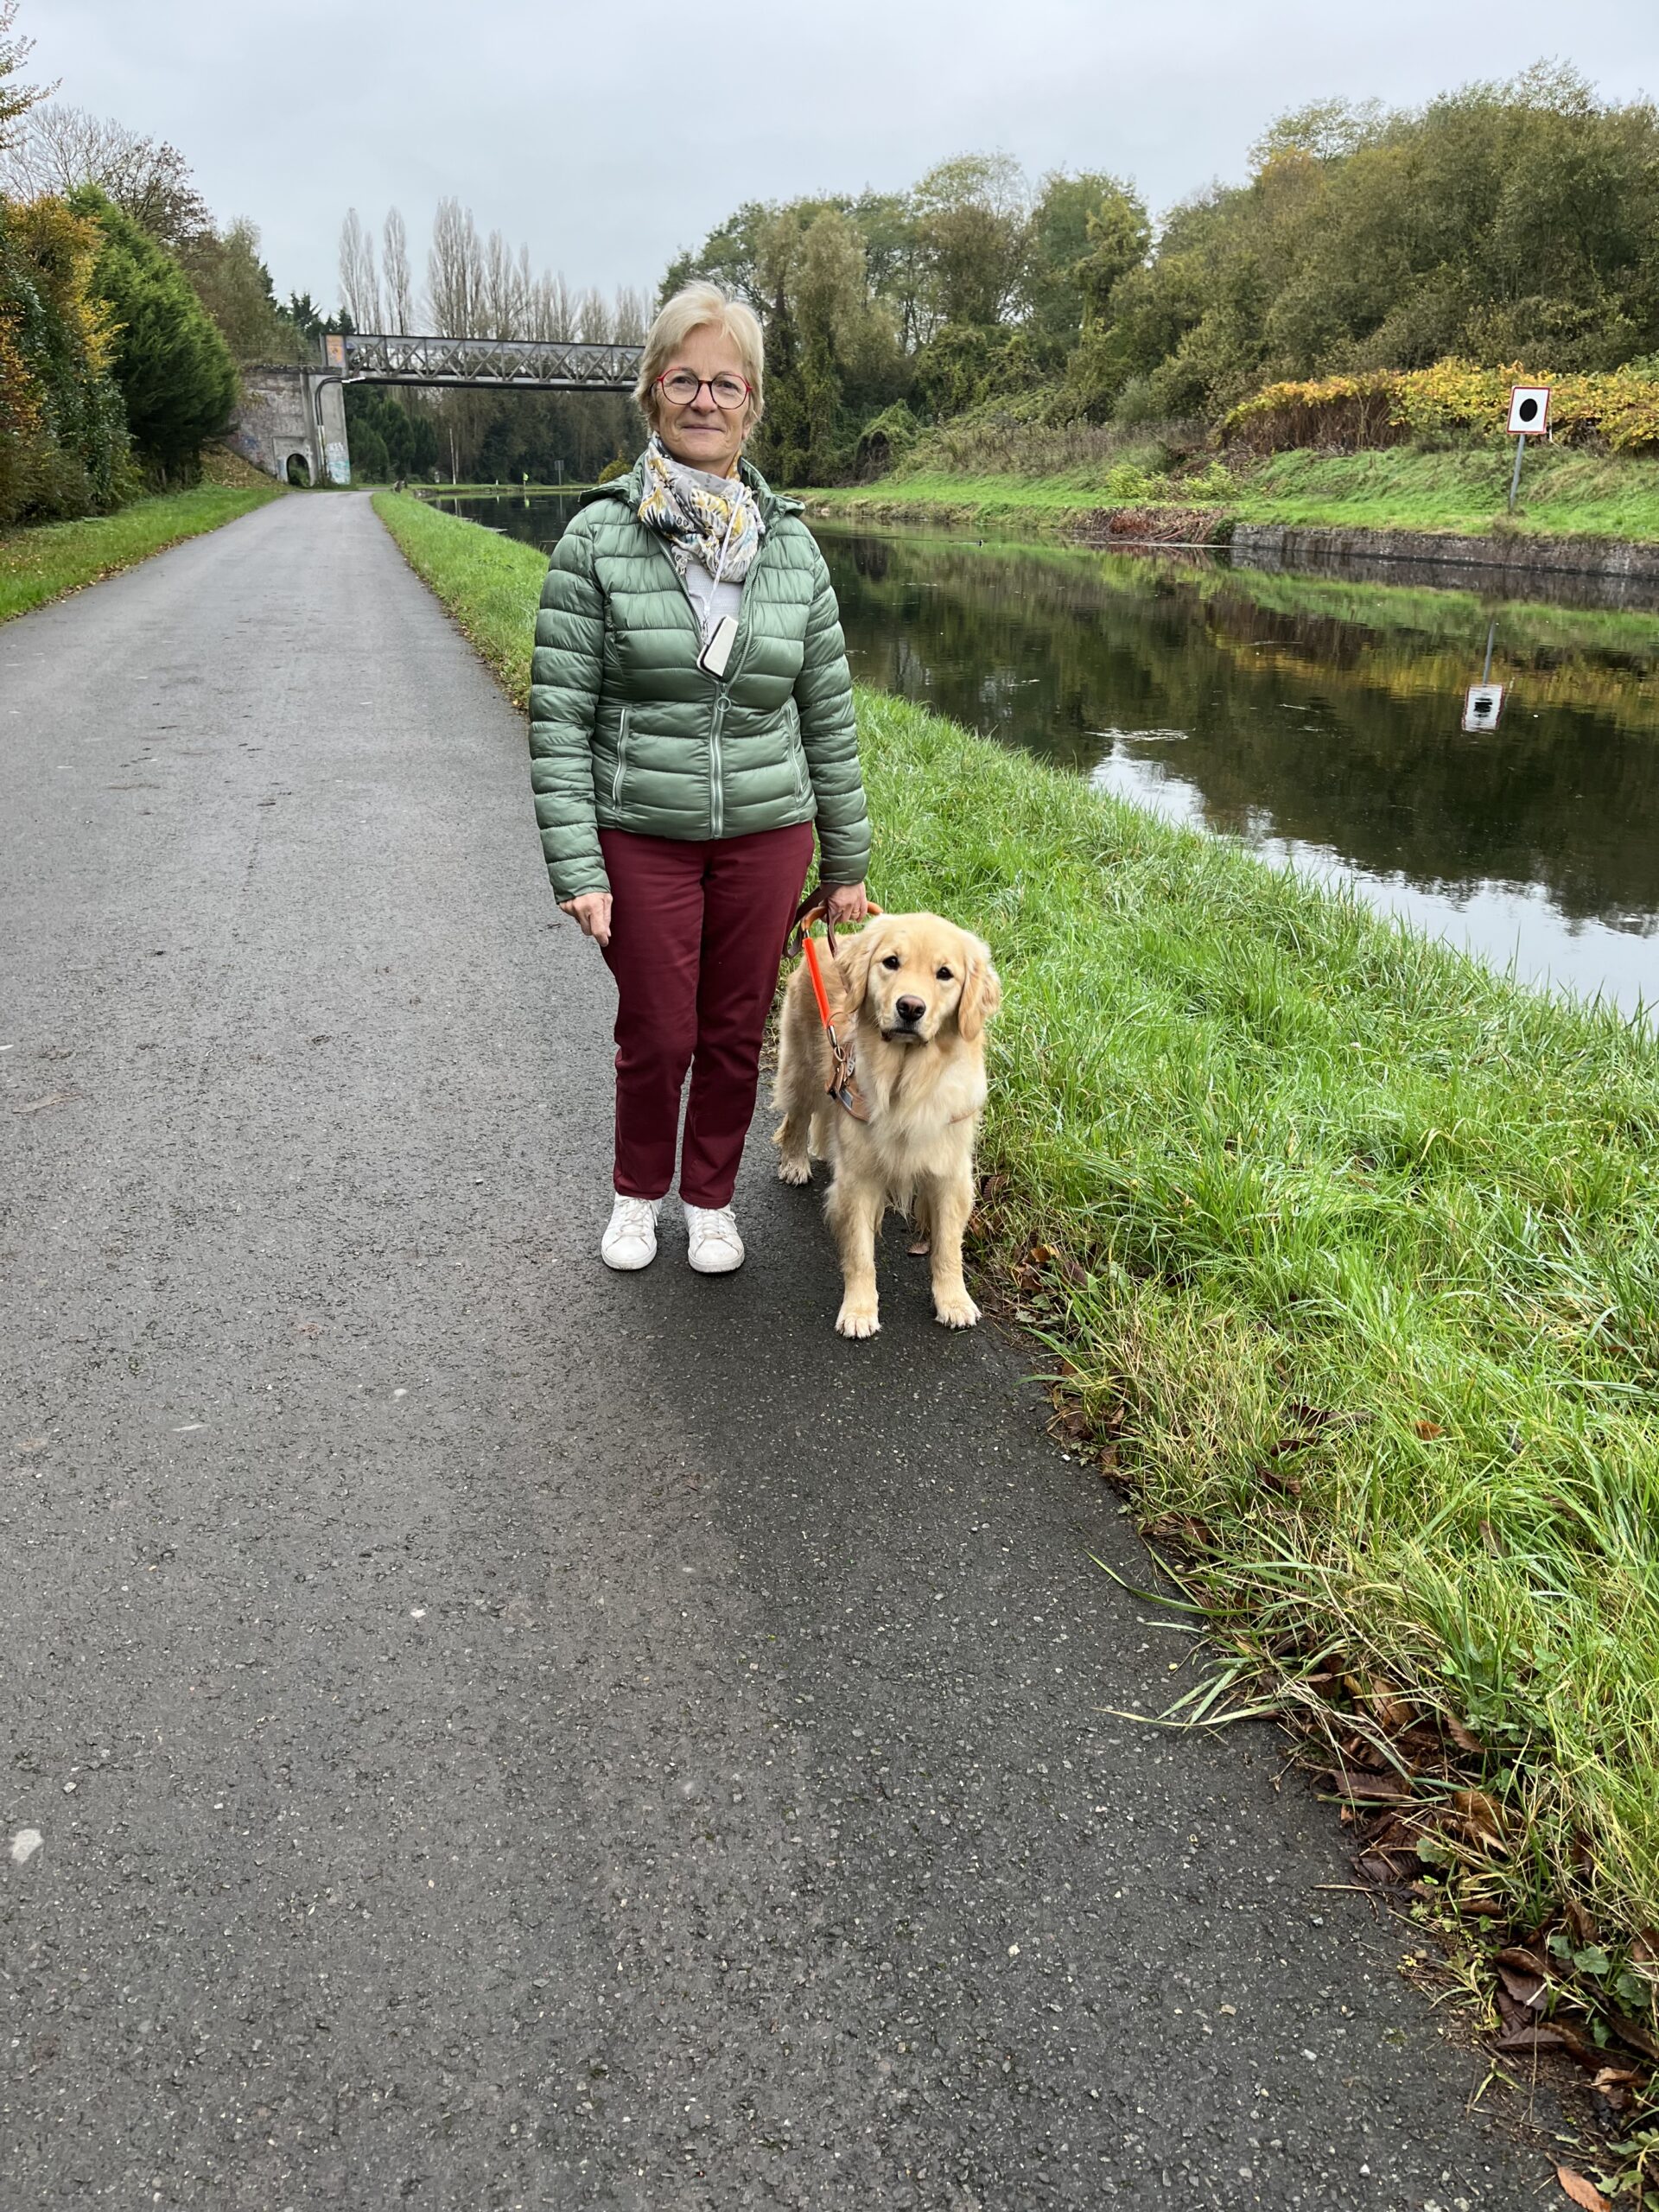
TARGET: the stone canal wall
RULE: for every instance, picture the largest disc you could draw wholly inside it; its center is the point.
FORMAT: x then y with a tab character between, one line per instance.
1285	545
1617	572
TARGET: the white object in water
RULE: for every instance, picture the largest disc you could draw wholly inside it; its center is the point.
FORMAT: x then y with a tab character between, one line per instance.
1482	704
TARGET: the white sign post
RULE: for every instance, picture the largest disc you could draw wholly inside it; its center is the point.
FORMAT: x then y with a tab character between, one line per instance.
1528	418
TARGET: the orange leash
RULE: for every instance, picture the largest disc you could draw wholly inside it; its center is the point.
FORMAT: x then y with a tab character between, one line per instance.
810	947
843	1084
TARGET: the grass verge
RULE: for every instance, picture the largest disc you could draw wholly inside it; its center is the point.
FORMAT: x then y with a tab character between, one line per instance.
1464	492
1346	1252
44	560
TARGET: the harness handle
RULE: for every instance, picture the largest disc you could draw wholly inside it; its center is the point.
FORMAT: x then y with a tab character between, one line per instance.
815	901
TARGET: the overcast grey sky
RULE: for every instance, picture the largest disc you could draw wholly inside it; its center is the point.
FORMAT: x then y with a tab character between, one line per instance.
609	136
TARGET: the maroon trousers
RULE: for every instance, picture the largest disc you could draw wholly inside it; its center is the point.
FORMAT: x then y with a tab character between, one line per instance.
698	930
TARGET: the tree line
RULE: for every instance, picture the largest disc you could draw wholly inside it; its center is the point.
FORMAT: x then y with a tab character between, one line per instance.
478	287
1498	223
123	307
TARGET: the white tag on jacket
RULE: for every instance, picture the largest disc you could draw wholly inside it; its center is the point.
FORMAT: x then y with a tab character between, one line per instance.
718	651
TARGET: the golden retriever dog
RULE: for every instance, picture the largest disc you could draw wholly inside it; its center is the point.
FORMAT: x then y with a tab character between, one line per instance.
909	995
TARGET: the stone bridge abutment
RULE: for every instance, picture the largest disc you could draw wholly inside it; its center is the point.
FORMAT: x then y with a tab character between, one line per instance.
286	414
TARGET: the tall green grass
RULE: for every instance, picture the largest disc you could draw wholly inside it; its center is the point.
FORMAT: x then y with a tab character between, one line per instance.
42	560
1352	1243
1562	493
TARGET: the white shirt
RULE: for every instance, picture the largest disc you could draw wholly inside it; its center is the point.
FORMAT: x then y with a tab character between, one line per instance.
709	599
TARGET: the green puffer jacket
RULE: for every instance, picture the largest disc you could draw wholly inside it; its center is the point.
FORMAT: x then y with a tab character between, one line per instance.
627	732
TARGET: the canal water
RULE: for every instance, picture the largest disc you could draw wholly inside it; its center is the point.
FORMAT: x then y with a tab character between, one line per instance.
1316	719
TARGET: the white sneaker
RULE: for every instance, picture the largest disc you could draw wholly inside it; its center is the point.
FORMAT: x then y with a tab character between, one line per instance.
630	1241
716	1248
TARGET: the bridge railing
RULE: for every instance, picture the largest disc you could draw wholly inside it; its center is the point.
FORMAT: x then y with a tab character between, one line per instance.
533	364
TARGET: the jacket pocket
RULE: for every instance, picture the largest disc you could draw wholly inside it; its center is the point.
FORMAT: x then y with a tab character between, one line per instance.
621	757
802	773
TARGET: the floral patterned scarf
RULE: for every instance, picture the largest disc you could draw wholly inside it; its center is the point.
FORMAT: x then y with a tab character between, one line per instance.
713	520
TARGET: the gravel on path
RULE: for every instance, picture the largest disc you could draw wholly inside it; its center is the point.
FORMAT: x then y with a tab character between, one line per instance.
501	1734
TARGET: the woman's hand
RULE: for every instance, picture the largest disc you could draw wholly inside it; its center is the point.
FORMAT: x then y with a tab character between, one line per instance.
846	903
593	911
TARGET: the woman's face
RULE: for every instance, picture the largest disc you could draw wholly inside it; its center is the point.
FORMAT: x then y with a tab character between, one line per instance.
699	433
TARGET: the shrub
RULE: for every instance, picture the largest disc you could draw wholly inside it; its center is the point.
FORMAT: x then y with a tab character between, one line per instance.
885	440
1619	408
63	434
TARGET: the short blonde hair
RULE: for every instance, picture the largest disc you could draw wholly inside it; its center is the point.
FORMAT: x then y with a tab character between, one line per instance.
702	306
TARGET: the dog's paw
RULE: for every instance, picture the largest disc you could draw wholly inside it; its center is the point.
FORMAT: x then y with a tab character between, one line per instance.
856	1320
956	1313
796	1172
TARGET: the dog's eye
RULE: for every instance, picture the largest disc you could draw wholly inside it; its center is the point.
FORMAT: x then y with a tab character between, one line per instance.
892	961
944	975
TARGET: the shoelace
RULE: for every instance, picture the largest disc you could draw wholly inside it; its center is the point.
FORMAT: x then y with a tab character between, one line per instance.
633	1217
719	1224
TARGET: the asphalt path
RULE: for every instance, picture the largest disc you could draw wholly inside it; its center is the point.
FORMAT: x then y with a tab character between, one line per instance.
503	1734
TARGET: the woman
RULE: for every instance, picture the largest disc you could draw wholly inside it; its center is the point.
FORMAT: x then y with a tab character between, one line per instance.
691	721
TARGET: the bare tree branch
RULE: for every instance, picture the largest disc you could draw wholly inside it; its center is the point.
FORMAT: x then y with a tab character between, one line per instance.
60	148
359	287
394	262
15	99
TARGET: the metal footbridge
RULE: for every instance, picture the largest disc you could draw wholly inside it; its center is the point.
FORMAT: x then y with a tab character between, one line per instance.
485	364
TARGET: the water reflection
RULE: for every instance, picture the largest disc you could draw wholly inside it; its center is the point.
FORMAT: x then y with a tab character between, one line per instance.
1316	718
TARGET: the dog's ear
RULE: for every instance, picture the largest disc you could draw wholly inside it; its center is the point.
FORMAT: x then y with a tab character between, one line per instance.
853	959
981	990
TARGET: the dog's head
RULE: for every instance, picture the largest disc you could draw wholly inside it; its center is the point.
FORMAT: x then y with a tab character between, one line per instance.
915	976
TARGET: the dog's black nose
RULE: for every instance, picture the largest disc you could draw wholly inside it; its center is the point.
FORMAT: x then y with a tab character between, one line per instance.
911	1009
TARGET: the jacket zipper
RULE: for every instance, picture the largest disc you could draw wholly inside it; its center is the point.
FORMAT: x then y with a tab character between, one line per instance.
722	693
621	758
716	791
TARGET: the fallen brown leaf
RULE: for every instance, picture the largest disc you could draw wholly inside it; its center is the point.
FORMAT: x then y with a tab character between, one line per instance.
1391	1710
1481	1814
1579	2046
1525	1988
1582	2191
1285	1486
1427	1429
1638	2036
1523	1961
1614	2083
